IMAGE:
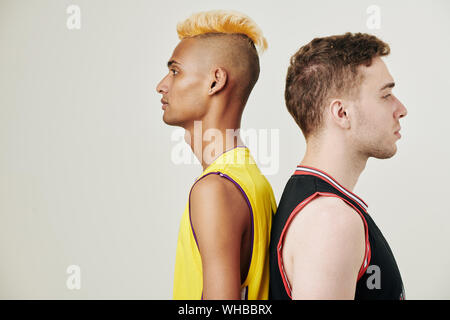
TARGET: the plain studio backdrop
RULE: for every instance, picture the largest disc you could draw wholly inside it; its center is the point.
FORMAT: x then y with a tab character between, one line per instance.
90	186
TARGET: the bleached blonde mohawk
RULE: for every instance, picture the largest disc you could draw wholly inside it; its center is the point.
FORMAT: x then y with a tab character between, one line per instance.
222	21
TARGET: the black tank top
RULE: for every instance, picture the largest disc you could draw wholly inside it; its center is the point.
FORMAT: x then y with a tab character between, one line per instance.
378	277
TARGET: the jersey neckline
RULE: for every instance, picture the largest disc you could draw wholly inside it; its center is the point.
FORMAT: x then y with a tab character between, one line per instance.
305	170
222	155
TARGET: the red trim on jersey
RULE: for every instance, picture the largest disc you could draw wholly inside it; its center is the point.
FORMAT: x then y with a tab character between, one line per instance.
318	176
294	212
300	206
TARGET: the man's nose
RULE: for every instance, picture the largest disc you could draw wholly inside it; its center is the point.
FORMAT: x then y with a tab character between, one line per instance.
162	86
401	110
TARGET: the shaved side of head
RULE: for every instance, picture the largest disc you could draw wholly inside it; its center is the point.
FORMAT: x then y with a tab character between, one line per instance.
231	39
237	54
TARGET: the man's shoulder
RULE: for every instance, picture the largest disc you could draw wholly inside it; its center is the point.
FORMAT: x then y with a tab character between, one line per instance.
328	205
329	234
214	196
330	214
211	186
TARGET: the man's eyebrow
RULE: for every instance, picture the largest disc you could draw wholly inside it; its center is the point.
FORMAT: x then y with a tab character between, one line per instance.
388	85
171	62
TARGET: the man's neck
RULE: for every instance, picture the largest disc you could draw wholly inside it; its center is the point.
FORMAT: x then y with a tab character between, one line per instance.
208	142
342	163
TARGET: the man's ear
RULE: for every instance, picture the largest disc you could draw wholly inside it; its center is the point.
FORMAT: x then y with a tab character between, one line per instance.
339	113
219	80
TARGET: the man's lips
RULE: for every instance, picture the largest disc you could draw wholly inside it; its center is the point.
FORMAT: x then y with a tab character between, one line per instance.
397	133
164	104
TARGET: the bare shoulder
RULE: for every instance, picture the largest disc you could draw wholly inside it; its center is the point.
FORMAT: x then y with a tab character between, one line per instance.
328	225
211	184
324	249
217	190
220	219
330	214
215	200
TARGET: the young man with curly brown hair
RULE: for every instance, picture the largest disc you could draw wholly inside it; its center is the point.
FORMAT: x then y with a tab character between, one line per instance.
324	243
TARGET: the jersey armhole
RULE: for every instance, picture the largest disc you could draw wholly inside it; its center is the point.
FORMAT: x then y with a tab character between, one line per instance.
294	212
366	260
245	283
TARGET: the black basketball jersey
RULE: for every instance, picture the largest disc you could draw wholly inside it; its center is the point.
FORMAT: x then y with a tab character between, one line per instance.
378	277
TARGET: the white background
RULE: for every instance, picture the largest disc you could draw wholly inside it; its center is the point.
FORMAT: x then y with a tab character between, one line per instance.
86	176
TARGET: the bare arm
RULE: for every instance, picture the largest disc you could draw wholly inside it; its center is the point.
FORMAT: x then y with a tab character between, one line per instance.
220	216
324	249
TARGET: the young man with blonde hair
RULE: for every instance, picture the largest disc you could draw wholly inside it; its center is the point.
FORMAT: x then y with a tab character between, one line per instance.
324	243
222	250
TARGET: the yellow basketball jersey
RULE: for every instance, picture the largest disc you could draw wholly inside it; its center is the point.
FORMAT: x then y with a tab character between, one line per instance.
238	166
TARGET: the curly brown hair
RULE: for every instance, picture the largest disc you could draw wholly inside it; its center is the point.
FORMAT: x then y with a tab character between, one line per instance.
325	67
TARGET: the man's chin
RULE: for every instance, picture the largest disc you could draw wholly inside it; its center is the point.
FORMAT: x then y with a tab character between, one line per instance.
385	153
167	120
171	122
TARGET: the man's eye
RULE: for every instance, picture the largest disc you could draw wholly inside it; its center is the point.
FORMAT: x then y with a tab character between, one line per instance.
387	96
174	71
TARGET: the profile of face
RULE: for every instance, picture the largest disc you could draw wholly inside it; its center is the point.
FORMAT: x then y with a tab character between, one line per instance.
376	118
184	89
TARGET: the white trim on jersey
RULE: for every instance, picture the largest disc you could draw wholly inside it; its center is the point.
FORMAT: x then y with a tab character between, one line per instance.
335	184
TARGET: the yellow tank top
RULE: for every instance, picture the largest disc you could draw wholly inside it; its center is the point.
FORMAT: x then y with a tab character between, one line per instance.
238	166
